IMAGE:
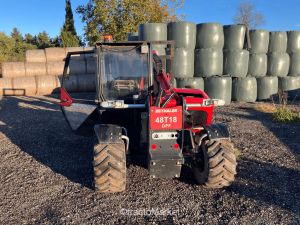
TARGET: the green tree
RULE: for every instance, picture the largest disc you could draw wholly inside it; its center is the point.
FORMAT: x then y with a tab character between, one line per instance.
68	33
44	40
68	39
120	17
247	15
16	34
6	47
29	39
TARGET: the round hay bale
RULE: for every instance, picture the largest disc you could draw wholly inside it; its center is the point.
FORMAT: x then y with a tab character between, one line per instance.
35	69
196	82
293	44
134	36
278	64
78	57
259	41
13	69
89	56
35	55
24	85
55	54
235	63
218	88
244	89
234	36
278	41
184	34
294	64
267	88
183	62
46	85
55	68
210	35
208	62
153	32
76	67
86	83
291	85
6	87
71	84
91	66
257	65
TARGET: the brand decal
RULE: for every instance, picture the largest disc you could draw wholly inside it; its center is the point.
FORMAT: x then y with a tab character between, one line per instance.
165	110
79	106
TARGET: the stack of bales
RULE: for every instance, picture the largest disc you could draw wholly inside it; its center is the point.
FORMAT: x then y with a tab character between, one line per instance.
291	83
266	85
184	35
235	64
42	73
277	66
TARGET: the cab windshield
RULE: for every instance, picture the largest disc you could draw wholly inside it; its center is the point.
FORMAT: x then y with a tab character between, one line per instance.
124	72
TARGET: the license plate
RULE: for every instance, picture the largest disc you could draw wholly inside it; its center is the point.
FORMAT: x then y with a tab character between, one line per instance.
165	118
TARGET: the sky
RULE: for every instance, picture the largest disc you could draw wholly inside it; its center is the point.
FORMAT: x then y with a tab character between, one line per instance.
34	16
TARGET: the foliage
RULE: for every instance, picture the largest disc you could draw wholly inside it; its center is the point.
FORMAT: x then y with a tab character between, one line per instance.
44	40
68	33
238	153
6	45
246	15
284	115
68	39
16	35
119	17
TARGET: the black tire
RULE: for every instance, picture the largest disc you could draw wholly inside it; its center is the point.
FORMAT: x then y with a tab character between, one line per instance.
216	165
109	167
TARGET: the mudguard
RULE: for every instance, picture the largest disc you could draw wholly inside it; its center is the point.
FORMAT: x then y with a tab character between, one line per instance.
217	131
108	133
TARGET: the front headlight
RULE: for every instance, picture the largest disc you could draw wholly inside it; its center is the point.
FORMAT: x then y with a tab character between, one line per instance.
218	102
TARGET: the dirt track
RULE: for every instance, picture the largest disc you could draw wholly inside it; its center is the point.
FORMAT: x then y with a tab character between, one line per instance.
46	174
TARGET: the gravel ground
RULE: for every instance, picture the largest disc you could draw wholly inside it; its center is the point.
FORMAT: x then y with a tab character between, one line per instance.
46	174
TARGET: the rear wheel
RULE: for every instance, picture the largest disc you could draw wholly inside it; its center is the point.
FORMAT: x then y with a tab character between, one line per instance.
215	166
109	167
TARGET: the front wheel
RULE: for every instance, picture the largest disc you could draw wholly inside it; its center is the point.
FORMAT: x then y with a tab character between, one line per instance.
215	165
109	167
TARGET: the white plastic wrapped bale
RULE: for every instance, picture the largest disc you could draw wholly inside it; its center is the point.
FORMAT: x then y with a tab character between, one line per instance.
293	44
234	36
209	35
291	85
184	34
55	54
244	89
258	65
294	69
13	69
235	63
153	32
278	41
183	62
208	62
218	88
259	41
35	55
190	82
78	57
91	66
24	85
267	88
35	69
278	64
